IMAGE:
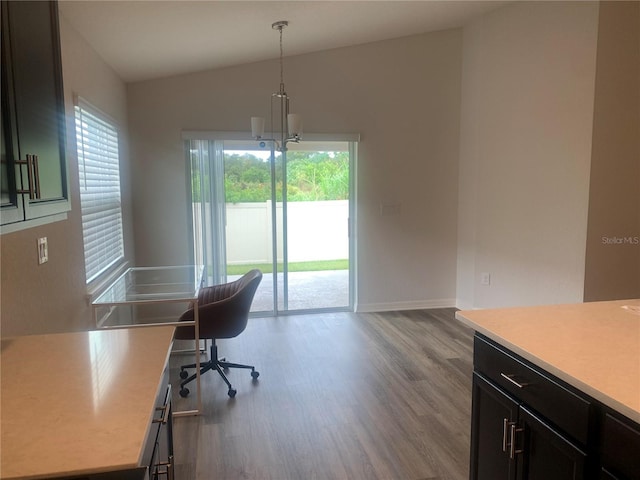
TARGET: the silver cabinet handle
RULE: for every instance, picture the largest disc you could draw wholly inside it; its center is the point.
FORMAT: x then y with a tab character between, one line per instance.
36	177
512	449
168	470
33	194
509	378
33	176
508	437
163	417
164	409
505	429
170	475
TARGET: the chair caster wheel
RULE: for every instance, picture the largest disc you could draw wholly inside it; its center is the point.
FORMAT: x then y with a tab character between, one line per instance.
255	374
232	392
184	392
184	374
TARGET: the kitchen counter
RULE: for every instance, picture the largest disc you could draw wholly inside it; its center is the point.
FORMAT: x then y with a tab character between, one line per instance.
594	347
79	403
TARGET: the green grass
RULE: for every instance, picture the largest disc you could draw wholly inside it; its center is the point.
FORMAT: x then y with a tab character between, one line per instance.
315	266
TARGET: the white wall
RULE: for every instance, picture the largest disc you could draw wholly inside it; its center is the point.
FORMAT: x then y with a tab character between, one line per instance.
402	96
525	152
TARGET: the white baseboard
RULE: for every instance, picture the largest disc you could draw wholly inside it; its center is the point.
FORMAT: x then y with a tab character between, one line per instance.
462	305
399	306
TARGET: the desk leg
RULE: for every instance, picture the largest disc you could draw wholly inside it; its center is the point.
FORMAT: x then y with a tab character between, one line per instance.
196	329
196	318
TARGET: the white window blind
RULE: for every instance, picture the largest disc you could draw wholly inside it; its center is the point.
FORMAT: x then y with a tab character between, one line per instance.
99	173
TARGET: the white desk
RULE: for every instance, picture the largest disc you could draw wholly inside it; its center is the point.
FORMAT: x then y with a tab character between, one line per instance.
144	286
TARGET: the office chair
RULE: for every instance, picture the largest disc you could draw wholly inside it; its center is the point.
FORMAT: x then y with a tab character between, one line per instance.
223	311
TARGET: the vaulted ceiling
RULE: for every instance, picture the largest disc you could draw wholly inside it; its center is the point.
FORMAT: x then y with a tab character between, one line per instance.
145	39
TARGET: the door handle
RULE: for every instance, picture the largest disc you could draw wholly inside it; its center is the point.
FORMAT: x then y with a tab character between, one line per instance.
512	448
36	177
509	434
505	431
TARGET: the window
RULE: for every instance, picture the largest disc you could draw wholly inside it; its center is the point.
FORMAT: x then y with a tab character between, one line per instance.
99	173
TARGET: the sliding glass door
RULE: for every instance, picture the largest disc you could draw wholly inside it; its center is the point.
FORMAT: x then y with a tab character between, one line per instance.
316	254
245	215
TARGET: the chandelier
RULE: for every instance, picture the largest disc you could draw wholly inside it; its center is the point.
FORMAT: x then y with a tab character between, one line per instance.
290	123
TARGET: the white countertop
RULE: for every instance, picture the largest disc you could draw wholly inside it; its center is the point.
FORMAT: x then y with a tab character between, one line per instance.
79	403
594	347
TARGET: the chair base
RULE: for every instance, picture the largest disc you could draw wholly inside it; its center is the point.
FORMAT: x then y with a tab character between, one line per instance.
214	363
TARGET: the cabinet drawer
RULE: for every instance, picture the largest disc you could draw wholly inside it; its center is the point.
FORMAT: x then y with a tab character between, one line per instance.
533	387
621	447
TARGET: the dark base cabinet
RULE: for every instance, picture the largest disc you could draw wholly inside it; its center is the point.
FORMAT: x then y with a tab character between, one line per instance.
546	454
493	413
511	442
528	425
620	448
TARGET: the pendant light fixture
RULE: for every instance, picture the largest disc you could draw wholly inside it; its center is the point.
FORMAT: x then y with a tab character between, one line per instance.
290	123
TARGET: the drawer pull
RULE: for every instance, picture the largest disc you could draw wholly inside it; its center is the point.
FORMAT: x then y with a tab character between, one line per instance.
509	378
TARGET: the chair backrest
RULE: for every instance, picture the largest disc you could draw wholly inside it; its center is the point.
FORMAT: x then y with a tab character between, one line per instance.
223	310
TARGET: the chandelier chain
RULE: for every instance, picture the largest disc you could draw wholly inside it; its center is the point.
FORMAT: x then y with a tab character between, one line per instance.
281	60
290	123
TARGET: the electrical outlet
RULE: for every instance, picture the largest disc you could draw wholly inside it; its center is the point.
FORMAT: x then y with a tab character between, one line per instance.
43	251
485	278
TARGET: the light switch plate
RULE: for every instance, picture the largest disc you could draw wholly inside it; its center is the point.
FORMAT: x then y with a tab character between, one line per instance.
390	209
43	251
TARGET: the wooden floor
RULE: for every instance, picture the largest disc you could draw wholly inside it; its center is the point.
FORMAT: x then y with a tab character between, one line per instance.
340	396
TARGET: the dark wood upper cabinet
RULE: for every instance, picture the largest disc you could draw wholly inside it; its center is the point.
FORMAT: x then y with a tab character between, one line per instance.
34	169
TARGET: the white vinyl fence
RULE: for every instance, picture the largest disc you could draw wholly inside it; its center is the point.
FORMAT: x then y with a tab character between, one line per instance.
317	231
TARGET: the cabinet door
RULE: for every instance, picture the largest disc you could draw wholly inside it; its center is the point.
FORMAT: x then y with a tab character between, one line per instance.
493	413
547	455
621	447
11	203
34	125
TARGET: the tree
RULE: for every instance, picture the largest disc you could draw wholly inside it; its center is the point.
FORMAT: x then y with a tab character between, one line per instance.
310	176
